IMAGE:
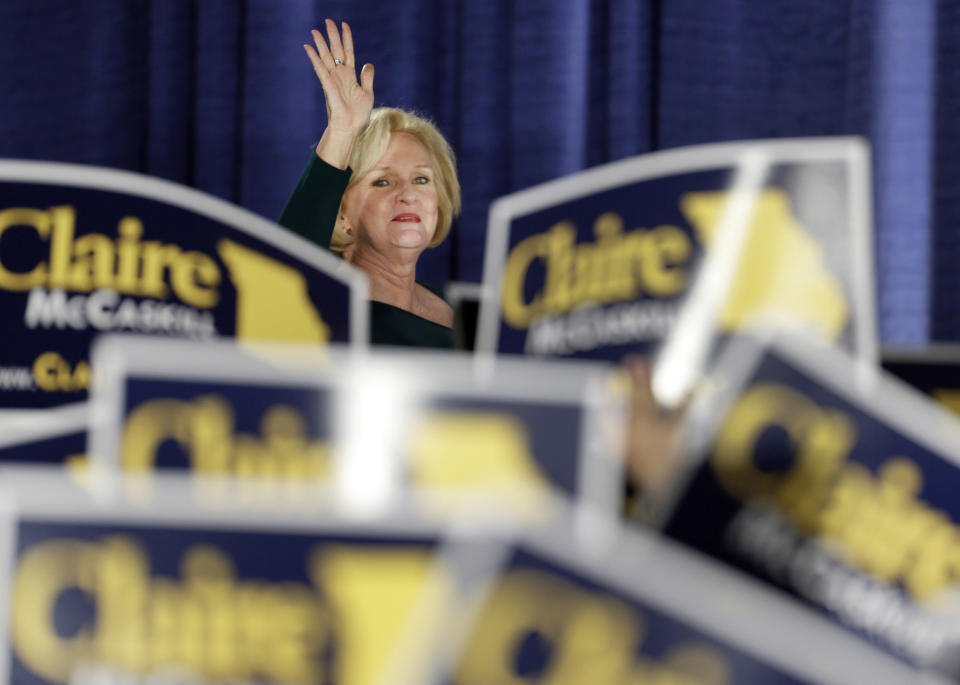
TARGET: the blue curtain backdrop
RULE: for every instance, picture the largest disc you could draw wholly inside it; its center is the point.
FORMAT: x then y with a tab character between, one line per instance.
218	94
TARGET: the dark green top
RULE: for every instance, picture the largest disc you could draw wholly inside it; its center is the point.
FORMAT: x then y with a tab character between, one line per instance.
311	211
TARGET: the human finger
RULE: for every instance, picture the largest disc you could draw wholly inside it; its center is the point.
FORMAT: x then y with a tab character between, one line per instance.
327	81
366	78
315	60
333	36
641	377
322	51
347	44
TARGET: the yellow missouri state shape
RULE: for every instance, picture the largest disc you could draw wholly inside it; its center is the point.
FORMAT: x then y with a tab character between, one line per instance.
478	450
456	449
375	593
781	267
272	299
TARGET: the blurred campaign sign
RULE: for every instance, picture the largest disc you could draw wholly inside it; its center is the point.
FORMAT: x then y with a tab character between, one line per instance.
597	264
933	370
463	425
647	611
835	483
85	251
172	590
376	423
214	409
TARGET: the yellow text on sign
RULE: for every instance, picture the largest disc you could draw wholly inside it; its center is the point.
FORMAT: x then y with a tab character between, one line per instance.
335	625
448	449
876	519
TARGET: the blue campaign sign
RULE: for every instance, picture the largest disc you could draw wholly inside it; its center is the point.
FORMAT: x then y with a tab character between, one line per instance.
645	610
836	484
214	409
85	251
221	428
440	419
597	264
96	593
552	424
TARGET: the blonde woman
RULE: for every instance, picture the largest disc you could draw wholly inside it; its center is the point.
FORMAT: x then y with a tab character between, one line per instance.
380	189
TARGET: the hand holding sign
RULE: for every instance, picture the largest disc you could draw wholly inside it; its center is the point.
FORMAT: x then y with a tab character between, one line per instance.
652	433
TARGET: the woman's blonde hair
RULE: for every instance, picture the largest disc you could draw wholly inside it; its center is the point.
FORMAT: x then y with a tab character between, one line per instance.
372	144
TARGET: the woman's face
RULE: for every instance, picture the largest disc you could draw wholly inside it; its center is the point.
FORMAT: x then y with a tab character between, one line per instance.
395	204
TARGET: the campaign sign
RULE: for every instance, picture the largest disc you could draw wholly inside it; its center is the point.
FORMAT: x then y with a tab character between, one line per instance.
437	421
835	483
556	424
648	611
597	264
933	370
161	592
214	409
85	251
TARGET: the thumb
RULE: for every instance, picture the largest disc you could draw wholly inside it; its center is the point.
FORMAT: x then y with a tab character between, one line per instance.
366	78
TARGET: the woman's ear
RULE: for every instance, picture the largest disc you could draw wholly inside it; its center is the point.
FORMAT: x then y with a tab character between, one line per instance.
345	224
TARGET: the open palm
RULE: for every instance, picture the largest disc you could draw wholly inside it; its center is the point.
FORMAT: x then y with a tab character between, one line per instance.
349	101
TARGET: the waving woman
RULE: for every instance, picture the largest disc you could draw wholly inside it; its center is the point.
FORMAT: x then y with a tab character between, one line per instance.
380	188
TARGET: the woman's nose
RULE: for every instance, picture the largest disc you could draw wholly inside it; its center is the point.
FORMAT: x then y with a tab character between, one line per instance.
405	193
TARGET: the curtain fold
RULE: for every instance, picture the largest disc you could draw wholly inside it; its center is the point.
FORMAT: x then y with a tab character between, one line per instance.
218	100
219	95
903	88
170	80
945	182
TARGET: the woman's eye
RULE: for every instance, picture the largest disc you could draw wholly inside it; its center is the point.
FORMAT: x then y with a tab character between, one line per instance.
421	180
379	183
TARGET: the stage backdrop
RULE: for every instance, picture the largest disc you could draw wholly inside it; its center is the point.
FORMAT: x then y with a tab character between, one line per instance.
219	95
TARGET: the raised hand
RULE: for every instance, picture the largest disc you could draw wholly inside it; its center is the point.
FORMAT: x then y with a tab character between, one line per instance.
349	102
